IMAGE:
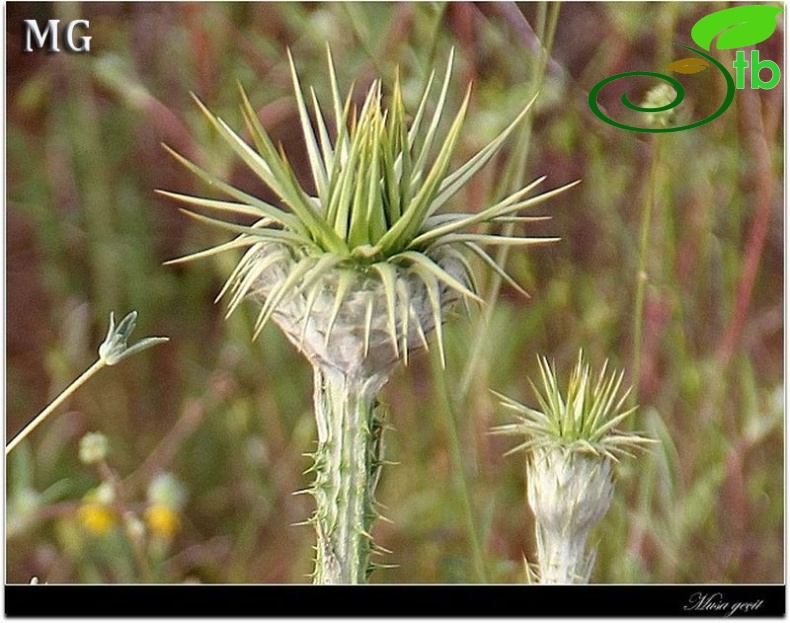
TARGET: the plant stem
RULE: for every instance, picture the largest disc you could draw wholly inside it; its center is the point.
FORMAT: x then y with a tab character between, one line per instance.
347	465
641	271
95	367
476	369
461	477
136	538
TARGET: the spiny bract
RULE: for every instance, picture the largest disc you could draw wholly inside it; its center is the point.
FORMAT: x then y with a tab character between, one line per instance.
583	419
359	274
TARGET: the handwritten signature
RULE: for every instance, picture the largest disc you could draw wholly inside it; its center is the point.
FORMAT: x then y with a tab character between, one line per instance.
716	602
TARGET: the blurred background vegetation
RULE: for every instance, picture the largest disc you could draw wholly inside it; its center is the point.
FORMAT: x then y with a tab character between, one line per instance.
207	433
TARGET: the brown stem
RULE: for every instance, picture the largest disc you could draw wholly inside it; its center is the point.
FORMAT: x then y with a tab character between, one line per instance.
750	118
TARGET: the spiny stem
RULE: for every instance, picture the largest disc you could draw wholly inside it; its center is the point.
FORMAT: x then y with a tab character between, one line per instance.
347	465
95	367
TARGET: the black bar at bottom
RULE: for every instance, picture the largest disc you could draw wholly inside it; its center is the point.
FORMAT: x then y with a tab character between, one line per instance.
262	600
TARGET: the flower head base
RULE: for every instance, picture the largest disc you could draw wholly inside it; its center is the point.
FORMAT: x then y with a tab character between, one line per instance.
371	249
569	493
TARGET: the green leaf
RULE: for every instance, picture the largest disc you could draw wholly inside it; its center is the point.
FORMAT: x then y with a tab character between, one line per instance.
434	296
274	214
263	233
326	143
240	241
456	180
442	275
251	268
388	277
316	163
343	284
437	115
231	191
311	299
492	239
405	314
508	205
275	172
285	288
738	27
409	224
489	261
368	322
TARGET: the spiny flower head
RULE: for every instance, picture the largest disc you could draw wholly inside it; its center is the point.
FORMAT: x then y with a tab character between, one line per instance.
583	418
572	445
374	225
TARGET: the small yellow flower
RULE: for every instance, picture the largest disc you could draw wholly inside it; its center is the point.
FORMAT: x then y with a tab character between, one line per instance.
162	520
96	518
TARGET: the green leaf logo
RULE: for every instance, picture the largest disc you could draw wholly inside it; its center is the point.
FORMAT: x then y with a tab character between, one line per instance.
738	27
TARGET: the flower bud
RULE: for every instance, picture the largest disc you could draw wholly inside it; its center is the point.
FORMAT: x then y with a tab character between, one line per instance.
93	448
165	489
658	97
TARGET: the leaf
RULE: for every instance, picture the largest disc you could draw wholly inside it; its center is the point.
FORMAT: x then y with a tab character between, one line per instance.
688	65
453	182
317	166
388	278
739	26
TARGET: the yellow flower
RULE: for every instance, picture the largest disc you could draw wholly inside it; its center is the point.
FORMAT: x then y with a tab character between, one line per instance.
96	518
162	520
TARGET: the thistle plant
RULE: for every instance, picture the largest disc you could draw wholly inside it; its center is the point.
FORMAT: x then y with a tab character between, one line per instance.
359	275
572	446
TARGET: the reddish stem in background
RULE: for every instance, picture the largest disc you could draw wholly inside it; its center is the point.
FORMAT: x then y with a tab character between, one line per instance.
751	122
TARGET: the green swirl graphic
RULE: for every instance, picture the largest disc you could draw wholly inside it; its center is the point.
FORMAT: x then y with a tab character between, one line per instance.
681	93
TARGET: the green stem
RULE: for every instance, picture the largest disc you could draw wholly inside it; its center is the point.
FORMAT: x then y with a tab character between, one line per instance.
97	365
347	465
136	538
641	271
461	478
